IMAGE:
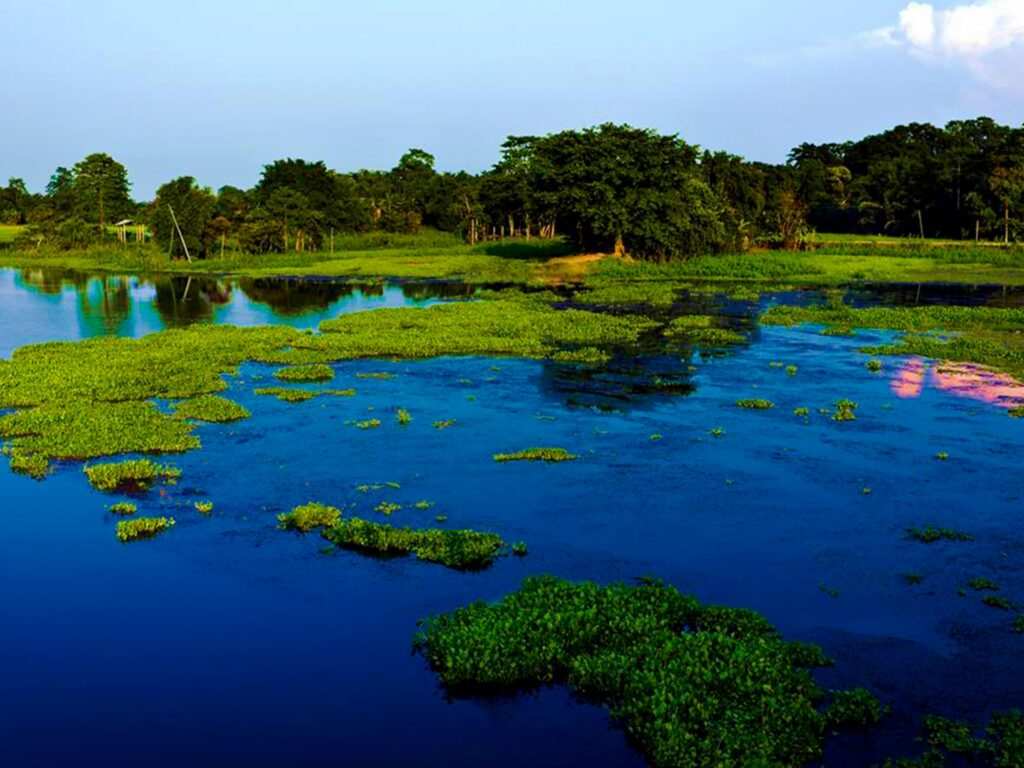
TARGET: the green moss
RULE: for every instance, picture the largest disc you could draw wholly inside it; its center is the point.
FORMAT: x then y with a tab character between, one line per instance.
132	475
537	454
368	424
857	707
444	424
403	416
462	550
693	685
211	408
204	507
315	372
142	528
307	517
123	508
930	535
755	404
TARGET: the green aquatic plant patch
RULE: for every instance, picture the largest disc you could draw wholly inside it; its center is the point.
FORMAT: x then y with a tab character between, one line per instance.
211	408
308	517
204	507
845	410
989	336
142	528
403	417
314	372
755	404
552	455
693	685
379	375
444	424
133	475
92	398
931	534
123	509
286	394
459	549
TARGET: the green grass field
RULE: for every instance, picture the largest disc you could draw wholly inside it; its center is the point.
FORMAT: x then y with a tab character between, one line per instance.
8	232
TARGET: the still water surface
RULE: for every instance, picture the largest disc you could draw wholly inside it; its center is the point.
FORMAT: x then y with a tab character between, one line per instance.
227	642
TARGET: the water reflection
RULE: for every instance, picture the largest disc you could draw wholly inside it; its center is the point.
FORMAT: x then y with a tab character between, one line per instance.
961	379
47	304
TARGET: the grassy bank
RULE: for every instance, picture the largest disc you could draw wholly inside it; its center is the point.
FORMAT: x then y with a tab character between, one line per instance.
405	256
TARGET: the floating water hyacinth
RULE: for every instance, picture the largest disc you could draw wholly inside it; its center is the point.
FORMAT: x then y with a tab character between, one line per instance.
554	455
142	528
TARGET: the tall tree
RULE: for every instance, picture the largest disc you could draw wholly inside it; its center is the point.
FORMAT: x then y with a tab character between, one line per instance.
101	189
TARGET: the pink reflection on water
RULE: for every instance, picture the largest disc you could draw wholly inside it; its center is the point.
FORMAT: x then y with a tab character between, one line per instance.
961	379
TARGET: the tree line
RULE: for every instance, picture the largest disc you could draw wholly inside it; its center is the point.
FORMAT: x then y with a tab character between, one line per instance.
607	188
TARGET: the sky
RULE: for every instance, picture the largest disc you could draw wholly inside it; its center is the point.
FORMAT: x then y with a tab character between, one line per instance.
217	89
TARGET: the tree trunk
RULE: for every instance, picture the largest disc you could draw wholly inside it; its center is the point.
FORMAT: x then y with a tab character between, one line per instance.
1006	222
620	247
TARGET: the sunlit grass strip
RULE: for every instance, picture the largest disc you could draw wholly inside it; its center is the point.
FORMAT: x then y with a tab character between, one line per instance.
459	549
693	685
315	372
211	408
132	475
553	455
308	517
143	528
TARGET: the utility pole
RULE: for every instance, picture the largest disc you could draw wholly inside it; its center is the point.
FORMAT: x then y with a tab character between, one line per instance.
181	236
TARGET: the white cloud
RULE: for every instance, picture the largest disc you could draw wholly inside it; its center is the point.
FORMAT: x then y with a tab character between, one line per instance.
969	31
917	23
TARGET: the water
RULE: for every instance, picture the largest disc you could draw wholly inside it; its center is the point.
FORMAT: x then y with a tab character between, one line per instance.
228	642
46	304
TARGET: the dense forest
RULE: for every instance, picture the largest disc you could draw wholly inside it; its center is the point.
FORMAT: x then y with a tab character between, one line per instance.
608	188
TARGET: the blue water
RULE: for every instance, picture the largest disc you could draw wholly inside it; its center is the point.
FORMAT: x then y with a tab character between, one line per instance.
228	642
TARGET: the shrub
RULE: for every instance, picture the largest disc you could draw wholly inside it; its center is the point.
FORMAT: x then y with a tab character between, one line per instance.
857	707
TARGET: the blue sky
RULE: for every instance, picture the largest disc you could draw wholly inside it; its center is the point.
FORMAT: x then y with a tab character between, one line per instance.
217	89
